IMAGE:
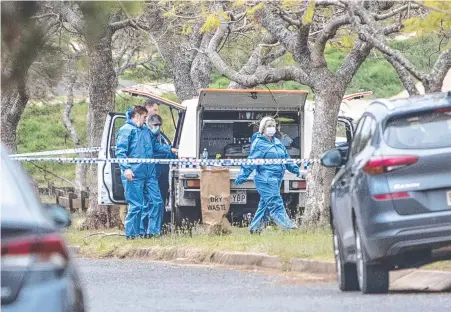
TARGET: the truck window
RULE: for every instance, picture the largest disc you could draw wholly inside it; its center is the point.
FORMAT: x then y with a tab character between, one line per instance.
170	118
118	122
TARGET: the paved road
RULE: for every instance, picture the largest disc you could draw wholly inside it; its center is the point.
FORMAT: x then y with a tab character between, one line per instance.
132	285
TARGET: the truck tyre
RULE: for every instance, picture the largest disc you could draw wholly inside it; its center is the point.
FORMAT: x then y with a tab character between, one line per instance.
373	278
346	272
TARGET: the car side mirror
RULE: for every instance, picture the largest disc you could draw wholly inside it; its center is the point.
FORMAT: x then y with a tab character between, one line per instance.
332	158
59	214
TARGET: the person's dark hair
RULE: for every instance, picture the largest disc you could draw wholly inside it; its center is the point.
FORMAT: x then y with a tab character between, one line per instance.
139	110
149	103
155	119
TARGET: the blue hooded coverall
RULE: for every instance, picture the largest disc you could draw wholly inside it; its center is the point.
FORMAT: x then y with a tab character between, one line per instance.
161	174
268	179
136	142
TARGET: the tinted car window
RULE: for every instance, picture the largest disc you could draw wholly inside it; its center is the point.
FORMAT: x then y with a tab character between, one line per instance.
430	129
364	135
367	132
358	134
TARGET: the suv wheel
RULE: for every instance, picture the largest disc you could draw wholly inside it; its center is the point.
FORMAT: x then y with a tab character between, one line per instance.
373	278
346	272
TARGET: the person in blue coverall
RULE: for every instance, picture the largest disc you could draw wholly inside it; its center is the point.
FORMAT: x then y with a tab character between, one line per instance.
268	178
154	124
133	140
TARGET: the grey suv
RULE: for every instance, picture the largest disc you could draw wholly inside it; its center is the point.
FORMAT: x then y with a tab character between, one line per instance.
391	197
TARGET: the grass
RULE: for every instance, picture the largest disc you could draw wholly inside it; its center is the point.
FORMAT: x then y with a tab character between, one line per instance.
440	266
305	244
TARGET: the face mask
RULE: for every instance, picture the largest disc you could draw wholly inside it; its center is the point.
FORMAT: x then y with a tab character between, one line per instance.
138	124
155	130
270	131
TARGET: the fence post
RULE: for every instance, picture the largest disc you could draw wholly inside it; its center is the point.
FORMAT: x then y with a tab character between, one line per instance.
71	196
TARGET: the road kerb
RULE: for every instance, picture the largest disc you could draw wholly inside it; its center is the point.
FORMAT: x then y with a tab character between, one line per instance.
197	255
399	280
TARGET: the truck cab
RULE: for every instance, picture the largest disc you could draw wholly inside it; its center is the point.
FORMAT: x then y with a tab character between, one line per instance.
219	124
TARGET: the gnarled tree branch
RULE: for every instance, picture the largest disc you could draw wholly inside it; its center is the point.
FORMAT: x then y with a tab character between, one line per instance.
404	76
262	74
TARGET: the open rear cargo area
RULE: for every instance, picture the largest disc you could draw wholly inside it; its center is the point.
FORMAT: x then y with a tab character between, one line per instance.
229	119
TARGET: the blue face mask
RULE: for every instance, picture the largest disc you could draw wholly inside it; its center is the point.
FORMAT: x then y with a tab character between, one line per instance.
155	130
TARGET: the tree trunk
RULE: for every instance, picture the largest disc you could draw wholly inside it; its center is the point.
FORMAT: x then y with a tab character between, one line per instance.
71	80
102	84
181	71
319	178
13	105
201	66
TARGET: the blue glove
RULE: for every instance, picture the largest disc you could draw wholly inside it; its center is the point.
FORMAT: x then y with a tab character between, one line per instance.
240	180
297	172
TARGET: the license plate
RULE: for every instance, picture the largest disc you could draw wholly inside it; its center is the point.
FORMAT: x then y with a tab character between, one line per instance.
239	197
448	198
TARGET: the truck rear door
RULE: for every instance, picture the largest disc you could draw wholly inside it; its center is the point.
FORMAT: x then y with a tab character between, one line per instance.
110	188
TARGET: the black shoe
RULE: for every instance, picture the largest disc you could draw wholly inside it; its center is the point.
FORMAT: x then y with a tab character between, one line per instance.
255	232
149	236
130	237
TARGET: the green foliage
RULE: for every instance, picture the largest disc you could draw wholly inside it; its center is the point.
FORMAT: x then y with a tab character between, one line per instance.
132	8
252	10
421	51
41	129
289	4
171	97
187	28
438	17
217	81
141	74
239	3
211	23
307	18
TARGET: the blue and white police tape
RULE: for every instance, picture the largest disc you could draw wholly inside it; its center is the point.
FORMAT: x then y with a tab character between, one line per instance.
81	150
183	162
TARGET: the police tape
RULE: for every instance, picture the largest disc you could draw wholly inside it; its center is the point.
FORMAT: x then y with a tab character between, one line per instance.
188	162
81	150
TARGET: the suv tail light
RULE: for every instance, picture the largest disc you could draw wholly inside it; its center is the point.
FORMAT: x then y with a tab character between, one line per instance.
382	164
28	252
298	185
391	196
443	109
192	184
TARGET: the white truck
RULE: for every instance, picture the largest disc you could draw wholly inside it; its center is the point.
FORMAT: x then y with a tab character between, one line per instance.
221	122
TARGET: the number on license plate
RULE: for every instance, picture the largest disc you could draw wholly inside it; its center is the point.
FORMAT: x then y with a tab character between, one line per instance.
238	198
448	198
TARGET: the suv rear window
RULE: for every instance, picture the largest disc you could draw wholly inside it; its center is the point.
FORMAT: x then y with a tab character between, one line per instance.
431	129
